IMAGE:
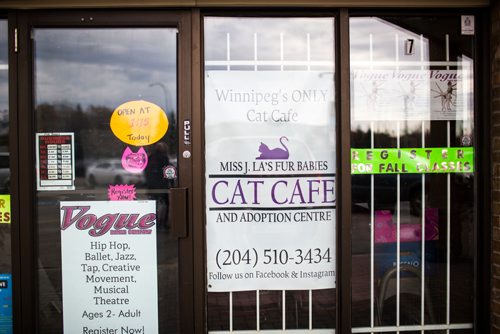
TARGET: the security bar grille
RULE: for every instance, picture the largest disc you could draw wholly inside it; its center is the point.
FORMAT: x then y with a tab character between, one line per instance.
258	64
375	325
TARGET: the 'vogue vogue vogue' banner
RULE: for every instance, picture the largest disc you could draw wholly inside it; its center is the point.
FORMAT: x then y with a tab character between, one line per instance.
403	95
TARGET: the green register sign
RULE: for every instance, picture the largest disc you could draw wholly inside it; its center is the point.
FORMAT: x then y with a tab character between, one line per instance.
412	160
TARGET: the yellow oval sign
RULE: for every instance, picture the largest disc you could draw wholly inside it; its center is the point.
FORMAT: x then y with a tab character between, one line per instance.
139	123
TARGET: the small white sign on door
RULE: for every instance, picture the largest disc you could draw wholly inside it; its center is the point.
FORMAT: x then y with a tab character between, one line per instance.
467	24
55	161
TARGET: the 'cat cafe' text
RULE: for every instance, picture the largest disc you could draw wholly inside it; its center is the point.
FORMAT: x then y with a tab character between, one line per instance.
274	191
275	115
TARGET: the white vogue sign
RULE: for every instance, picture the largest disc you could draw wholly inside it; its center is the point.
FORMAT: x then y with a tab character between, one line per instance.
109	267
385	95
270	180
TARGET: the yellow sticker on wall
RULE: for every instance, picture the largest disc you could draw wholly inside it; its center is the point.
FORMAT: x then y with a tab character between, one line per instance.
4	209
139	123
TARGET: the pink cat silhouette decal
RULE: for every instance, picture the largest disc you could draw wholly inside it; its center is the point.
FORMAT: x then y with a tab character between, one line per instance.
277	153
134	162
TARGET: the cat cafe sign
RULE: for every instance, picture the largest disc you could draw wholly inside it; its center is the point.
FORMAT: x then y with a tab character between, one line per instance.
270	180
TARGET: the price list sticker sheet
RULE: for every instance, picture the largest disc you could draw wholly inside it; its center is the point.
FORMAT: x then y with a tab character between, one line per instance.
55	161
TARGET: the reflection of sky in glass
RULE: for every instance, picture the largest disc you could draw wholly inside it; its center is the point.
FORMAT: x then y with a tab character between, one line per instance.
4	92
268	30
3	41
374	39
388	41
378	44
105	67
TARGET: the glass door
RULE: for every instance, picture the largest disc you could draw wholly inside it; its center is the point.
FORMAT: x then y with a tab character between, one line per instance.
107	175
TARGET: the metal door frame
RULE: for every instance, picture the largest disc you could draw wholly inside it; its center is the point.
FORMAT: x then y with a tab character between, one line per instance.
23	133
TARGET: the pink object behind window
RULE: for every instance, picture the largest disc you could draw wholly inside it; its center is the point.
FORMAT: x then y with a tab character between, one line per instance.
386	228
121	192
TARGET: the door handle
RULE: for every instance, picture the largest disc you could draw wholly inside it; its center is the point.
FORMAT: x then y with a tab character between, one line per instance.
178	212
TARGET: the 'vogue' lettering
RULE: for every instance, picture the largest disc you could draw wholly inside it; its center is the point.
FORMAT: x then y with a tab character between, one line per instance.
99	226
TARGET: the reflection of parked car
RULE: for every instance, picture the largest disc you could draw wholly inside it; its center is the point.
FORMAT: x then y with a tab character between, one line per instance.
107	172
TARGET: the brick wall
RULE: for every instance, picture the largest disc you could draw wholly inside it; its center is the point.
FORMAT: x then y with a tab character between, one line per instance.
495	163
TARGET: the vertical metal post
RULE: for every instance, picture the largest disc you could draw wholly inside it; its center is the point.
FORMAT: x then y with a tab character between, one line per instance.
398	211
282	52
398	239
228	50
422	262
231	311
308	46
344	261
255	54
283	300
448	208
372	213
257	302
310	310
308	36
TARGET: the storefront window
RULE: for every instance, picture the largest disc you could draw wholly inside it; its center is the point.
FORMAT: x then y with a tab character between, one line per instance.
5	218
413	173
270	173
117	243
